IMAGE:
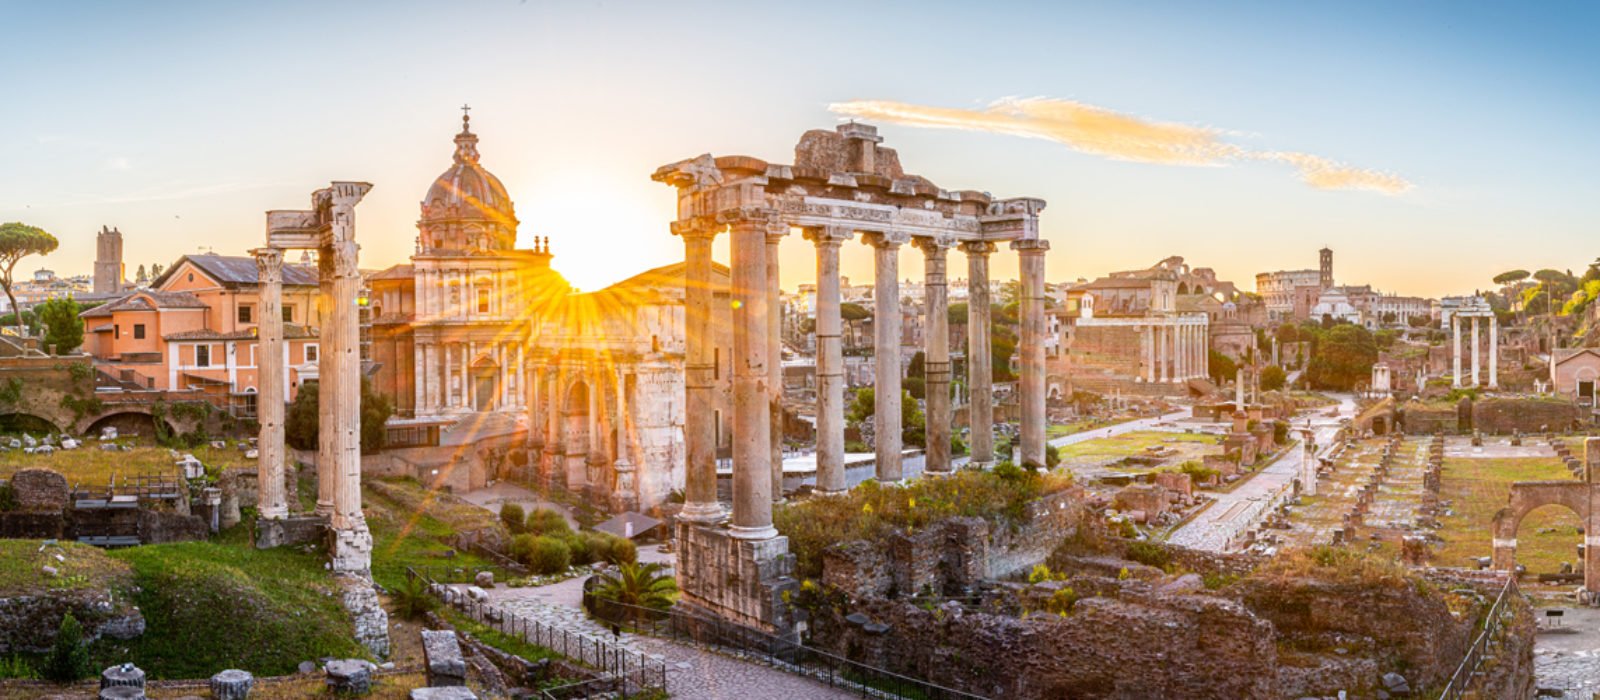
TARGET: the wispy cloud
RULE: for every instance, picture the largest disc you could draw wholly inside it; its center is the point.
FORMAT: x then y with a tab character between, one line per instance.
1099	131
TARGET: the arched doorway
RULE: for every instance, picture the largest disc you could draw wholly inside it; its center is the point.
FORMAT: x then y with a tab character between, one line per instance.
575	435
1545	537
485	383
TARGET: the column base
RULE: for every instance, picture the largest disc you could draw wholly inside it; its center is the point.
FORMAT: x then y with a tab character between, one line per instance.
702	512
735	579
278	532
350	549
766	532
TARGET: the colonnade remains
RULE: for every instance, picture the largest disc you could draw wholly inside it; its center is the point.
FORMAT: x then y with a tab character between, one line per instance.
843	187
1173	349
1457	320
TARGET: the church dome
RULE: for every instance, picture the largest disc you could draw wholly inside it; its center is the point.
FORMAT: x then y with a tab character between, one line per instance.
467	208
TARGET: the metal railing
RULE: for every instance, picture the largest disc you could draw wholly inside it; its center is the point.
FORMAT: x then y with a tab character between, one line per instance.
1467	671
621	672
783	654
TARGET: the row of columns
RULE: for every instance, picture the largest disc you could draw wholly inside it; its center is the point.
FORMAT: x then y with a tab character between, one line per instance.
1173	351
440	366
757	370
338	372
1494	350
547	414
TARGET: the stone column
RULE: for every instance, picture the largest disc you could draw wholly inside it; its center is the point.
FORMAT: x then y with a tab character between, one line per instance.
886	354
273	496
1147	353
625	496
327	383
340	430
936	355
830	361
752	417
980	372
535	391
553	460
1494	352
699	430
776	230
1162	332
1455	327
1475	374
1030	345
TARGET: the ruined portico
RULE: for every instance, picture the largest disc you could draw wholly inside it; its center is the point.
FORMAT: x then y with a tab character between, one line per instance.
842	186
1475	312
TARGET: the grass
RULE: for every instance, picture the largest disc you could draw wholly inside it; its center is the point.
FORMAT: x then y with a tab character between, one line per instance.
1132	443
510	644
1062	430
1477	488
22	565
224	604
411	528
91	466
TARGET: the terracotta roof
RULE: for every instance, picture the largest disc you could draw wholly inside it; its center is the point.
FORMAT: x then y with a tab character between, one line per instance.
232	271
291	331
146	300
396	272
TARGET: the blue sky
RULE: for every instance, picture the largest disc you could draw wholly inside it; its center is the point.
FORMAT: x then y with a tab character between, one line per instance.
181	123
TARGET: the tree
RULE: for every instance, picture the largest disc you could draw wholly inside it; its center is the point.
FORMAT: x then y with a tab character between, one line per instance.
300	428
1273	378
141	274
852	314
1221	367
63	329
18	241
1343	358
916	380
68	660
647	585
913	424
156	270
1511	277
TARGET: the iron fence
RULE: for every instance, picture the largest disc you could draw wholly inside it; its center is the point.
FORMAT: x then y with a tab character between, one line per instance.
784	654
1466	673
622	673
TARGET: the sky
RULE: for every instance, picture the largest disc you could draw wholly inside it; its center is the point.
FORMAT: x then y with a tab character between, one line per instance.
1431	145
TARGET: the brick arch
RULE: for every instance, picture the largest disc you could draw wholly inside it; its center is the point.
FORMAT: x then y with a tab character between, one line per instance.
1527	496
90	425
26	421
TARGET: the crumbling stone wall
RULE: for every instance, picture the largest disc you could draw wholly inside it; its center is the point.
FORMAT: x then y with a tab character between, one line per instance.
1503	416
1427	419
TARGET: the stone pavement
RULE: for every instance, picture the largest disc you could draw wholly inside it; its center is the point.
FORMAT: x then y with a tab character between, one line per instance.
1566	663
1238	510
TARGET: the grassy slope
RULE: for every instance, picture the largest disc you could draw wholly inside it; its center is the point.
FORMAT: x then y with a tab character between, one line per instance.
22	567
91	466
1477	488
413	530
1129	443
224	604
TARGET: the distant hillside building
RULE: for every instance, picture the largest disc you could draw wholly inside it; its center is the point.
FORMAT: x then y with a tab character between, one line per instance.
108	269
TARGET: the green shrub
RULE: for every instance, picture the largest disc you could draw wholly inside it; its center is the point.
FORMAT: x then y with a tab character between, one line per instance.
549	555
17	668
68	659
622	551
580	548
1149	554
522	546
411	598
543	521
1052	455
511	514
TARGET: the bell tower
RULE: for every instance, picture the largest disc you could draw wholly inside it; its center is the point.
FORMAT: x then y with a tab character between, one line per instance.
1327	268
108	270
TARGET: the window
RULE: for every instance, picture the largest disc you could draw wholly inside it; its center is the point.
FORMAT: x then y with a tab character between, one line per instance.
138	331
311	352
116	332
716	363
483	301
288	313
202	355
245	315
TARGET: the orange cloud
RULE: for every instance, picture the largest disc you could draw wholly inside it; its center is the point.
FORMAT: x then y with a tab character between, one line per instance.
1103	132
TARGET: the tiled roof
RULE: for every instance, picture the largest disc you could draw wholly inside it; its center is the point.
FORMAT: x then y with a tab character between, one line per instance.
397	272
236	270
291	331
145	300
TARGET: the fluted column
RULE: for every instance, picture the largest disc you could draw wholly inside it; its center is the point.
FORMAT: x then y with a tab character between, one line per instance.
699	429
830	361
1494	352
1475	374
775	233
936	354
1455	374
327	384
980	372
886	354
340	430
273	495
1031	346
752	416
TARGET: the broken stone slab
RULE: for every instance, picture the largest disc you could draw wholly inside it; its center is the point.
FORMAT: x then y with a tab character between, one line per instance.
446	693
70	444
484	579
122	675
232	684
441	653
108	433
349	676
1396	684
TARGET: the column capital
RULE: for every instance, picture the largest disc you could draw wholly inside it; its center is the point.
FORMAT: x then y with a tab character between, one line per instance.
827	235
884	239
978	248
931	246
696	227
1030	245
269	263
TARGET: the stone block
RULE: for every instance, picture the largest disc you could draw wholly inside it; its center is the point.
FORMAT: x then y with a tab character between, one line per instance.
442	658
349	676
445	693
40	490
293	530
